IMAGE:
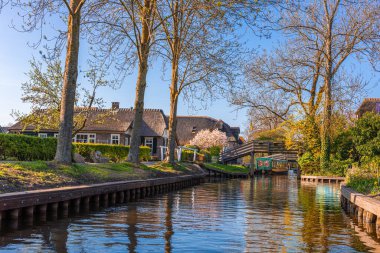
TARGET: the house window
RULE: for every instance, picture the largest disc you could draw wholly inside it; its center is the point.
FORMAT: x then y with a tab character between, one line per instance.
42	135
85	138
115	139
56	135
149	142
92	138
194	130
126	141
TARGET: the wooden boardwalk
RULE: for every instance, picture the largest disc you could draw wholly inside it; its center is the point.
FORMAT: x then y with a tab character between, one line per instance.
322	179
255	146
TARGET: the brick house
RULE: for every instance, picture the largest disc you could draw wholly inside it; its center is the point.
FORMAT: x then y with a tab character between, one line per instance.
369	105
114	127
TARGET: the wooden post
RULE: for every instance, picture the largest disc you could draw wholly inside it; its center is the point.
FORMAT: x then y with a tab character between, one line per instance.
42	212
64	207
53	210
105	200
360	215
76	205
85	204
121	199
252	164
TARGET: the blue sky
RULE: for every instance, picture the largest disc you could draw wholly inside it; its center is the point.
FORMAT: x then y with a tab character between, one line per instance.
15	54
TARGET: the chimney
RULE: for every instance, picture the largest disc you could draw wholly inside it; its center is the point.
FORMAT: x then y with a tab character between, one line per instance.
115	105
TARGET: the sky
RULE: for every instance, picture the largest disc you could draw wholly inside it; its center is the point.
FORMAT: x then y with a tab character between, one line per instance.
15	54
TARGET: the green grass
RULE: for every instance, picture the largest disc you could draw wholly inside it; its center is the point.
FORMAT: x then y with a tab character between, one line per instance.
228	168
365	184
16	176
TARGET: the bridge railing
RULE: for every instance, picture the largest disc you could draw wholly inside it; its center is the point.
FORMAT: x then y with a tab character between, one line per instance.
257	147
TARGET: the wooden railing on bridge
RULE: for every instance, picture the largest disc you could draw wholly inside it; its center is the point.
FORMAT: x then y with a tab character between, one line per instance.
256	146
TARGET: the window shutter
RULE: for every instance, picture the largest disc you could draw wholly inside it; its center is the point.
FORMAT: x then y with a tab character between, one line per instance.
142	141
154	145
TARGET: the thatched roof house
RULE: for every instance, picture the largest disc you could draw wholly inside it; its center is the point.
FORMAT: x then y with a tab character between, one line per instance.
114	125
369	105
189	126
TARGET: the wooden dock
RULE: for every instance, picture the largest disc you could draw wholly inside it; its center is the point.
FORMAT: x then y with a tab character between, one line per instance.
322	179
364	208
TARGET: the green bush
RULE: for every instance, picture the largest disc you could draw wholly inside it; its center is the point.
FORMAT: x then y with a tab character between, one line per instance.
31	148
206	154
309	164
187	155
115	153
214	151
27	148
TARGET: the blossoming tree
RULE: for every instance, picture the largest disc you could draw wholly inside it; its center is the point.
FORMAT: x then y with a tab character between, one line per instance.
206	139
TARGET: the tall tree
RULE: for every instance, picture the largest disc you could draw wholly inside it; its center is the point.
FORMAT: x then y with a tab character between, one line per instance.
34	16
124	37
321	36
336	29
201	48
43	91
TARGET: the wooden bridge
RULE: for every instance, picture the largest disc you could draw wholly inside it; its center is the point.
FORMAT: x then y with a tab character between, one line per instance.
256	146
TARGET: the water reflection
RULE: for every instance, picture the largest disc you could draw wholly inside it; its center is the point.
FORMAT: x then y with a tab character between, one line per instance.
266	214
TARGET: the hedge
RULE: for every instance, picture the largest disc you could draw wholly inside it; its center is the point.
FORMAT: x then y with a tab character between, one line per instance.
115	153
27	148
31	148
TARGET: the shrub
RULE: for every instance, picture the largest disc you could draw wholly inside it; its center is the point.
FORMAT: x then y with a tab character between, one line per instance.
31	148
187	155
27	148
309	163
214	151
115	153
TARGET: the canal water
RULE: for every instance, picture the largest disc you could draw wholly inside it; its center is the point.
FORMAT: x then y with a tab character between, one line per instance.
266	214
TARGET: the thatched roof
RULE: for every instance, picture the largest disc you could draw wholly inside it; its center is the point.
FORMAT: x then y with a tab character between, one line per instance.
189	126
368	105
115	120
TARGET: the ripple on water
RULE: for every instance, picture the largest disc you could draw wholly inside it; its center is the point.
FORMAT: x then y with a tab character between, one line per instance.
266	214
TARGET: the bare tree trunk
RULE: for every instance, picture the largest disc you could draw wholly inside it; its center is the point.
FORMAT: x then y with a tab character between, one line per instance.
133	155
64	146
143	54
173	114
327	110
326	126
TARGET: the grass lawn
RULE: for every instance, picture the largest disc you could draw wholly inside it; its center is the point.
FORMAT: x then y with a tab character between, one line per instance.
228	168
19	176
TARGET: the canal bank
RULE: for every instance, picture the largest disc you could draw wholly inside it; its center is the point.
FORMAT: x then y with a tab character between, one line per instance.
60	202
365	209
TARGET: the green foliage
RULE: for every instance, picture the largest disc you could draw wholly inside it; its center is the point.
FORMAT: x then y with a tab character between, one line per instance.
115	153
366	136
363	179
187	155
27	148
309	163
227	168
31	148
343	147
206	155
214	151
